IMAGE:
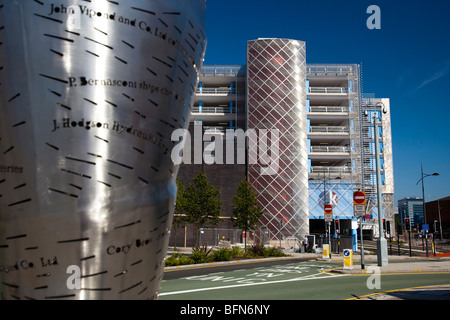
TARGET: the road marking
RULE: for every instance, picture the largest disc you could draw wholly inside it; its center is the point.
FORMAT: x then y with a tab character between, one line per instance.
399	273
390	291
310	277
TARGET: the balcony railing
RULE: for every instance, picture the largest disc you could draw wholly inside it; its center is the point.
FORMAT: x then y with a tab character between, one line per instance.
329	129
228	71
330	149
328	90
327	69
214	130
212	110
330	109
216	91
321	169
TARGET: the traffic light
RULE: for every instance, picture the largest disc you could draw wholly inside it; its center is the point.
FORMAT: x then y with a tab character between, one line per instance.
384	225
336	225
407	225
388	227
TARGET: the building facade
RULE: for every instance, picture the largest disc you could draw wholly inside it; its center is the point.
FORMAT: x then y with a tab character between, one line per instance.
411	208
325	148
438	217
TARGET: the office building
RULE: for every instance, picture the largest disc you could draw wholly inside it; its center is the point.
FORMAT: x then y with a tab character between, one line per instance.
411	208
438	217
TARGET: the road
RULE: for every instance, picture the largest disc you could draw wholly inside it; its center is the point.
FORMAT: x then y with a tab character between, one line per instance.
284	280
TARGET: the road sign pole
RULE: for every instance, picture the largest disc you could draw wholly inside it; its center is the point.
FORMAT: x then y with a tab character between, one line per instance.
329	238
410	252
362	246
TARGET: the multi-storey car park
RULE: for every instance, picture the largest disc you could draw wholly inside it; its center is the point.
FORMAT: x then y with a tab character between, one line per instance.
326	145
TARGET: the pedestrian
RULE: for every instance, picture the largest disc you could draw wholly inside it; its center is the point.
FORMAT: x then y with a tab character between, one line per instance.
305	243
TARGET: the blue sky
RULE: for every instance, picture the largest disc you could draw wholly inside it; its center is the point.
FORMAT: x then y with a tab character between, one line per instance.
408	61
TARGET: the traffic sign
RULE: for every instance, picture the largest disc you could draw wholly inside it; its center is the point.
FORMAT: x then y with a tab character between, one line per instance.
326	251
359	198
328	212
348	259
359	210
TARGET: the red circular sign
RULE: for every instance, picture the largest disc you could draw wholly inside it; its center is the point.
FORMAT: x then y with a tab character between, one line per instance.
328	208
359	197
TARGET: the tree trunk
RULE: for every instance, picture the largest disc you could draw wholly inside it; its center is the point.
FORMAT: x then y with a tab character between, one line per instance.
245	242
197	231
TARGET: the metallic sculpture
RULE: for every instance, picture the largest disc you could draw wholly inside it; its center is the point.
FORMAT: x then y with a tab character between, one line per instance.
90	94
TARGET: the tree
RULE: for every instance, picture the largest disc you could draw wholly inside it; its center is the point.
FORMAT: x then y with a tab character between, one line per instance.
246	212
201	204
178	217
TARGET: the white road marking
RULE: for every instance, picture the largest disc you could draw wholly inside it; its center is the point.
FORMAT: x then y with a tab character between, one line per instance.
310	277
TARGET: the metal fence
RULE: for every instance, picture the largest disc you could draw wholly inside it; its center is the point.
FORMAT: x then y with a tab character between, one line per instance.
337	244
220	237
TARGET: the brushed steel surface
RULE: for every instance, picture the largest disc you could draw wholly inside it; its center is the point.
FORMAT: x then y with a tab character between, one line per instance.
90	94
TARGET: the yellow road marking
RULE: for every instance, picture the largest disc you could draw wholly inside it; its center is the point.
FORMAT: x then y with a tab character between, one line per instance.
390	291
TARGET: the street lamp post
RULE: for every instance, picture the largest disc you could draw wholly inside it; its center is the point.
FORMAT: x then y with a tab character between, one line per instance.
382	255
423	198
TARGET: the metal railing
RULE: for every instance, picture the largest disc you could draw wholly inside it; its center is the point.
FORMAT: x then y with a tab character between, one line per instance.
220	237
212	110
328	90
333	69
228	71
330	149
329	109
216	91
214	130
340	169
329	129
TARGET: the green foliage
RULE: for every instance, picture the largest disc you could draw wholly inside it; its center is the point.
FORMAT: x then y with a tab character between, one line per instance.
201	203
178	259
205	255
273	252
236	252
223	254
246	212
257	250
201	255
